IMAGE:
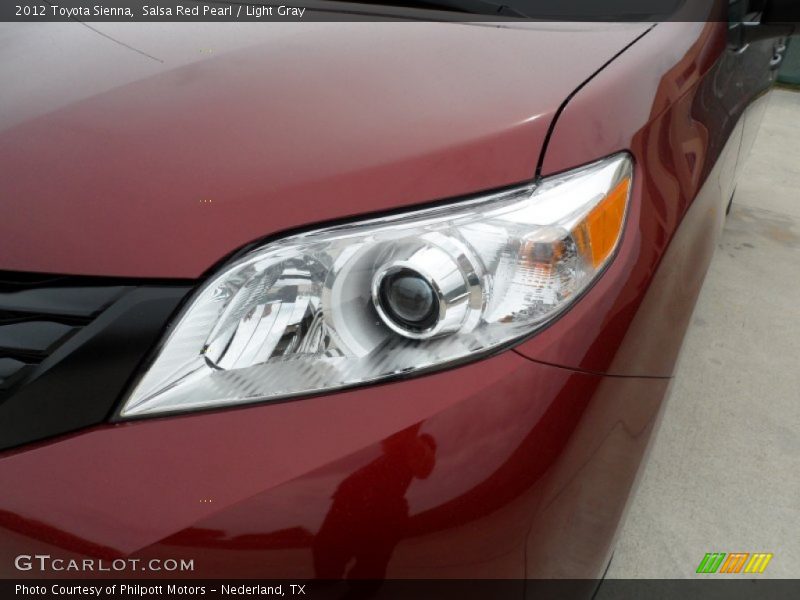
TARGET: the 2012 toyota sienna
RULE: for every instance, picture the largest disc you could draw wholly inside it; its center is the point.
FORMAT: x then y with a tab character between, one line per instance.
352	299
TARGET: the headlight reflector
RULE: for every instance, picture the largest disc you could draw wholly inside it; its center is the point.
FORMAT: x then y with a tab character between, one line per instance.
358	303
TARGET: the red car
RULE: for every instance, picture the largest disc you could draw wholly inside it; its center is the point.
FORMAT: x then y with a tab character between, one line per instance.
351	300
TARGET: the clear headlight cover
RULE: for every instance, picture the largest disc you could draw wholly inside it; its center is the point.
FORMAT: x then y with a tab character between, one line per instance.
370	300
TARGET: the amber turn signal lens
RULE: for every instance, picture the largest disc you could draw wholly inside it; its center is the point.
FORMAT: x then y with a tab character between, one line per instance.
598	233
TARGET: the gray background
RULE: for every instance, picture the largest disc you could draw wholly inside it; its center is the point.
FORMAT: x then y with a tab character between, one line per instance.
724	469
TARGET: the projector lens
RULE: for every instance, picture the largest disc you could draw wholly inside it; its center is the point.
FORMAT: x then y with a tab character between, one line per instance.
409	300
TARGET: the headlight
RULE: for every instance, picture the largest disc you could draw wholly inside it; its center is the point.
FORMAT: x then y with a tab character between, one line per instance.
367	301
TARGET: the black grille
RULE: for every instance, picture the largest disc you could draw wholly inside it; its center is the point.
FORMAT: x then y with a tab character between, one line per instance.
38	313
69	346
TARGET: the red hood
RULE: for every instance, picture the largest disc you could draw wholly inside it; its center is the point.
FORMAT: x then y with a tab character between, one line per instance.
157	150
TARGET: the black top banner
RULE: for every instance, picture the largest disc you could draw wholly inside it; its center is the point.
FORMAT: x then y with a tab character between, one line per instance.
508	11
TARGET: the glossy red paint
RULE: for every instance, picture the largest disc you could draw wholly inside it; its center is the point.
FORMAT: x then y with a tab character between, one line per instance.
460	472
683	122
117	164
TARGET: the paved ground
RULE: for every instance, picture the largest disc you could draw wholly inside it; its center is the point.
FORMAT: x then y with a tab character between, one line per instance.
724	470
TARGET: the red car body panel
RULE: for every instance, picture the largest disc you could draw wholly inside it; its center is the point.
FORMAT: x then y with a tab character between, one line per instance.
517	448
242	133
683	123
518	465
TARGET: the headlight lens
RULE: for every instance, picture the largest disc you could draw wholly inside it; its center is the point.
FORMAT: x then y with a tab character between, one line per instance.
367	301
